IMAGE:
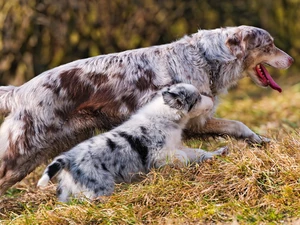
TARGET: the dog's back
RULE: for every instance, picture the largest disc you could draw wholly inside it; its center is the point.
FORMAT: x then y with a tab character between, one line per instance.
6	99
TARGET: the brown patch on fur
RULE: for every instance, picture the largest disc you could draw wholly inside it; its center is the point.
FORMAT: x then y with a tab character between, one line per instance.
29	131
105	121
103	99
11	147
12	154
234	40
62	113
53	87
97	78
145	82
76	89
130	101
22	143
52	128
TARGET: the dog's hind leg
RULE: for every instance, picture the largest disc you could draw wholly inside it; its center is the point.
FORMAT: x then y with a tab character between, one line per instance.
14	170
24	149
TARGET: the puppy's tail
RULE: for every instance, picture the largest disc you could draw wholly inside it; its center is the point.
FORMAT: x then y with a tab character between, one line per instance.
53	169
5	98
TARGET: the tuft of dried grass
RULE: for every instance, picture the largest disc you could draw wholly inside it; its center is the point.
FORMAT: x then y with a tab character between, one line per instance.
253	185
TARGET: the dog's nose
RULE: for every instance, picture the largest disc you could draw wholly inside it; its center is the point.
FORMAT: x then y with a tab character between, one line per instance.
291	60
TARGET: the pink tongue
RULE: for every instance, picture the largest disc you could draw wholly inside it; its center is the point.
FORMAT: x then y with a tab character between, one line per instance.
272	83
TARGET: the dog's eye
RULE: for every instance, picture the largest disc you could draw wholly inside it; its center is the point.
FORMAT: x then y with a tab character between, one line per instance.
268	48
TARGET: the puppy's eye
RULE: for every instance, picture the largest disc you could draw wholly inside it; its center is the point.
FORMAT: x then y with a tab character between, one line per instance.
192	105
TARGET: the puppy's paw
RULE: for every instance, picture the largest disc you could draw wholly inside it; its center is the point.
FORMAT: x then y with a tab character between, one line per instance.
222	151
208	157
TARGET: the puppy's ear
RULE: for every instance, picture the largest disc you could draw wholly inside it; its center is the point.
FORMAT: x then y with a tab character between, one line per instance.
235	44
174	100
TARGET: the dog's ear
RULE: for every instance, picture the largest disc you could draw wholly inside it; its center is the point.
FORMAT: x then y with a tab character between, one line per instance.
173	99
247	39
256	38
235	44
250	40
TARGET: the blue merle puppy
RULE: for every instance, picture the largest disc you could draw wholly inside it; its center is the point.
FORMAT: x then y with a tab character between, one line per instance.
150	138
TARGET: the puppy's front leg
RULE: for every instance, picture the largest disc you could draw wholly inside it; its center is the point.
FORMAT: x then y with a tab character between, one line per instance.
200	156
184	156
216	126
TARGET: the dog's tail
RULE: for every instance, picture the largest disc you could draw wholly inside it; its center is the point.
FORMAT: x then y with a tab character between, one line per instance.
5	98
58	164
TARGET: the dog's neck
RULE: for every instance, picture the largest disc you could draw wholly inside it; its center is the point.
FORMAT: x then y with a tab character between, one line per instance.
225	70
221	77
214	74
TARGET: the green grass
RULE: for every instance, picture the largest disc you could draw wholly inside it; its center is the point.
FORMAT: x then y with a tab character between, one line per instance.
253	185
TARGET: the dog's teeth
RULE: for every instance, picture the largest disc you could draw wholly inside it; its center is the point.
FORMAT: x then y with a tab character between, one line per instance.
258	67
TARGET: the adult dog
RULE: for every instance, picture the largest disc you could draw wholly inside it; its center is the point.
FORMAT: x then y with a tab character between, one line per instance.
150	138
61	107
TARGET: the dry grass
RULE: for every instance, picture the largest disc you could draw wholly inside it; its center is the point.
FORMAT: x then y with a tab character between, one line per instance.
253	185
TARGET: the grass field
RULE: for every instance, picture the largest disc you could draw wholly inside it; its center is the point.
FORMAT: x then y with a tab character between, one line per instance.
253	185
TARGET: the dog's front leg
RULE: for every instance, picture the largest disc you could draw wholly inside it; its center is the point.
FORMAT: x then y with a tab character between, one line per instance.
220	127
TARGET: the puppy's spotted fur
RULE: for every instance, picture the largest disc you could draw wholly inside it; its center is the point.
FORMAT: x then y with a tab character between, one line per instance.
150	138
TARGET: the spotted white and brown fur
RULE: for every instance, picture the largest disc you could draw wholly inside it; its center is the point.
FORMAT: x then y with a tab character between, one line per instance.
150	138
61	107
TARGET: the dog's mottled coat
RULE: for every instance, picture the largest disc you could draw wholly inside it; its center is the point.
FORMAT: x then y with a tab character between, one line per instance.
62	106
150	138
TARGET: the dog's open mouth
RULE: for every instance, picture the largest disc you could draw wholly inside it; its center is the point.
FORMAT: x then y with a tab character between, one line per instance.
266	78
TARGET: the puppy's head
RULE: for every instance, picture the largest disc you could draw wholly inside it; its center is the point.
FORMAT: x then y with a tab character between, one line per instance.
255	47
187	99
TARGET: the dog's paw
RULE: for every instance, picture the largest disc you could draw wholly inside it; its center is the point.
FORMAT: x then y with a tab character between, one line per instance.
257	139
265	139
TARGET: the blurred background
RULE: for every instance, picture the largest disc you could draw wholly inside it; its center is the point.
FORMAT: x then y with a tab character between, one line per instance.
36	35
